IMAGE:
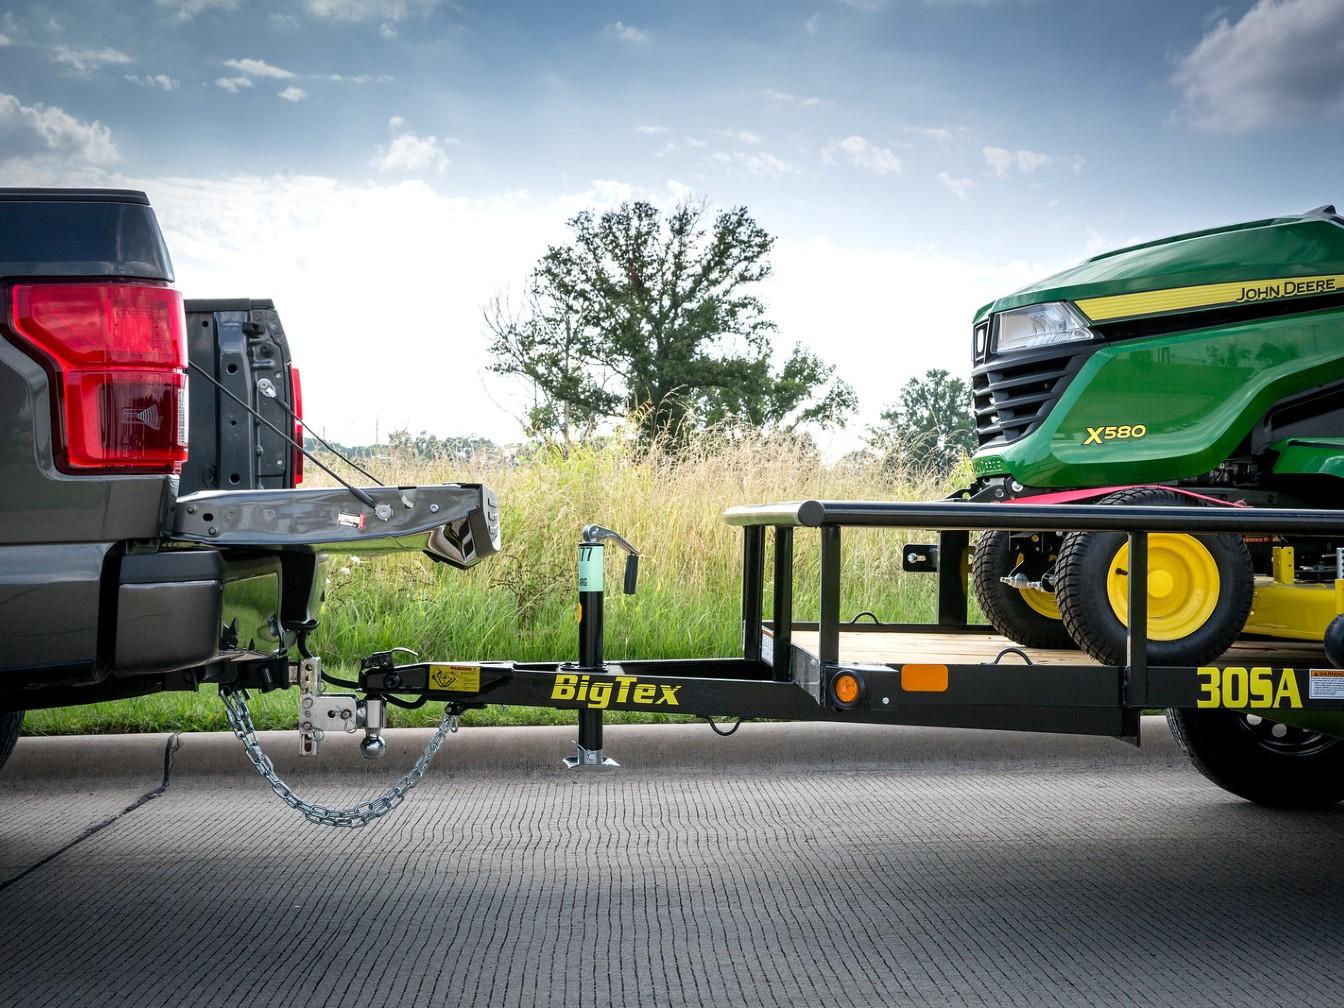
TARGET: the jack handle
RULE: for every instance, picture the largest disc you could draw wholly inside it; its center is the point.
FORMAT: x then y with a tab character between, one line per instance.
596	533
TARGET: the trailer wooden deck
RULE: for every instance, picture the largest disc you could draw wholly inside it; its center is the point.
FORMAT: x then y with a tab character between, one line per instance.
878	647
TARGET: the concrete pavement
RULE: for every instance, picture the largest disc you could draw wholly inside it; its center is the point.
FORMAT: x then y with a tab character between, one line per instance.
789	864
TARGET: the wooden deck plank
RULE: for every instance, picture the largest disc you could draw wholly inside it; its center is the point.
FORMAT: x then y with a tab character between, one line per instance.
974	649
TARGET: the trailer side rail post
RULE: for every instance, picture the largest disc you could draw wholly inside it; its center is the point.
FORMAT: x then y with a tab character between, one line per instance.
782	613
828	625
1137	657
753	590
953	547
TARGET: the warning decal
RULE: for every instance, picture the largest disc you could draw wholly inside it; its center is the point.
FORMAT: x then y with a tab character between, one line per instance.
1326	684
455	678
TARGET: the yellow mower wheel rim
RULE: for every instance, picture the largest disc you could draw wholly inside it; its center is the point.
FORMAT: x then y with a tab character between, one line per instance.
1183	585
1042	602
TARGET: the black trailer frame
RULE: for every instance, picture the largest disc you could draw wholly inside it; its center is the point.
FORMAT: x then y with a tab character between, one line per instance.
776	678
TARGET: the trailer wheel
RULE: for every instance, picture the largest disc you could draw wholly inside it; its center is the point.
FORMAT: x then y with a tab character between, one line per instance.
10	723
1199	589
1027	616
1261	760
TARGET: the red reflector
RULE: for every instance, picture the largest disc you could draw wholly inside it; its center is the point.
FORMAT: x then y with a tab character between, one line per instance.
118	352
298	422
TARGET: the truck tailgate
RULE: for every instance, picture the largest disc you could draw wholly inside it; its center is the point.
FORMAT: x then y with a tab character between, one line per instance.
457	523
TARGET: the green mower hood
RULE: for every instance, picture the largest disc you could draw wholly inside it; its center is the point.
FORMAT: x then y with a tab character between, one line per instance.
1188	344
1258	253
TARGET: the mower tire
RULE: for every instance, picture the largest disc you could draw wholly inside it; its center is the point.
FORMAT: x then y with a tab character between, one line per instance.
1009	610
1199	589
1260	760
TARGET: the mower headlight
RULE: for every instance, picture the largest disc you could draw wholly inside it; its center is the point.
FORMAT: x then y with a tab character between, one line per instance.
1039	326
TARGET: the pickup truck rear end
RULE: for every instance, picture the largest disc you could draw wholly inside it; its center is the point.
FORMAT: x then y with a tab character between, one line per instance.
115	578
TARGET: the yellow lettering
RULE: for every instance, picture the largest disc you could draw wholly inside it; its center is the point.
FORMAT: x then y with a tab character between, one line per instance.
1288	690
1209	692
564	687
669	696
1262	687
1093	436
599	695
644	693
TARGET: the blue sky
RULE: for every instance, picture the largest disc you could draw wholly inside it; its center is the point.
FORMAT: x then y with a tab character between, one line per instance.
382	167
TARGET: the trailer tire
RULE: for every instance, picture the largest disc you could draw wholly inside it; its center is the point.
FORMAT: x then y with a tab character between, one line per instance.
1087	570
10	723
1238	752
1006	608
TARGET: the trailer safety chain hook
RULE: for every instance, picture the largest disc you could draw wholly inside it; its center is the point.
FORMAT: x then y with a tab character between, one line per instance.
353	817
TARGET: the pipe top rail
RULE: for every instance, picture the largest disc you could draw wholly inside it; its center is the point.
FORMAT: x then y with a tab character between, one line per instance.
1026	517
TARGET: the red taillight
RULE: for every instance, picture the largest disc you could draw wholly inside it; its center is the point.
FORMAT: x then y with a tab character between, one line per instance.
297	385
119	355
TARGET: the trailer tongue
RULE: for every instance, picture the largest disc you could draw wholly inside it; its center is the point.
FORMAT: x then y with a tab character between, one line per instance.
1262	720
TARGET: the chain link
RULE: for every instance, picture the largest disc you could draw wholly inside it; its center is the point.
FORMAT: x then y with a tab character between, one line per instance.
240	718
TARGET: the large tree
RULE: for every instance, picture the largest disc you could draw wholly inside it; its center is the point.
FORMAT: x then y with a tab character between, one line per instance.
653	315
929	426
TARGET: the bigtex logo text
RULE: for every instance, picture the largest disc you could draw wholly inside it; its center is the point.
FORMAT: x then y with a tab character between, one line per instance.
601	692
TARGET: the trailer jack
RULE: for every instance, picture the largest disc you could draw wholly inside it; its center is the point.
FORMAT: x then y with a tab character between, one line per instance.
592	555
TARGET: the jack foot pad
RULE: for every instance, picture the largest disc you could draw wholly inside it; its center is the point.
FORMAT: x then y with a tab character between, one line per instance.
590	759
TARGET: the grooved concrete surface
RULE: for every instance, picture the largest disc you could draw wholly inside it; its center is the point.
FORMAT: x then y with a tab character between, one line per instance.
1026	873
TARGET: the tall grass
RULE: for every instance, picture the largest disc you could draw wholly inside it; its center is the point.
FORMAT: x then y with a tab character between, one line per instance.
521	603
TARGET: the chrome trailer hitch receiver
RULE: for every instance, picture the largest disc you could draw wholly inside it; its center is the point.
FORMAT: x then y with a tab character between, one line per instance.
321	712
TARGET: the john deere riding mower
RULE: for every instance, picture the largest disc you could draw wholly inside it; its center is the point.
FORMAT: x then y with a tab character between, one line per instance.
1204	370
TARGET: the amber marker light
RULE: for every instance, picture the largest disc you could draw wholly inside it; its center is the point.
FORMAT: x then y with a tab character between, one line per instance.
846	688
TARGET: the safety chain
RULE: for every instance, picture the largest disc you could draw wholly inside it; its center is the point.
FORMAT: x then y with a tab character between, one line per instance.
240	718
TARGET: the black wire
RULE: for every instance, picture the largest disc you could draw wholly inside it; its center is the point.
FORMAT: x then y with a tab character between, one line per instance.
719	731
394	701
361	495
322	441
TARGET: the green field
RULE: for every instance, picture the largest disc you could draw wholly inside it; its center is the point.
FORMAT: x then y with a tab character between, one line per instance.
521	603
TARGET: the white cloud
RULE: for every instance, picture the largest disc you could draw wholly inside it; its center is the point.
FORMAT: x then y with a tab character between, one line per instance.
293	94
798	101
258	68
162	81
361	78
233	84
651	130
386	11
813	24
387	31
44	136
758	163
290	237
939	134
1077	162
742	136
836	298
959	187
625	33
1281	64
1000	161
867	6
190	8
409	153
863	153
680	192
86	61
6	40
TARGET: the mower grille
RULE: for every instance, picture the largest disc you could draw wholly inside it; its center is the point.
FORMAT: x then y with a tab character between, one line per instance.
1012	395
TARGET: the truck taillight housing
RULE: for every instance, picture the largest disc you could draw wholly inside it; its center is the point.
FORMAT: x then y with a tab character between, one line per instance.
117	354
297	386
